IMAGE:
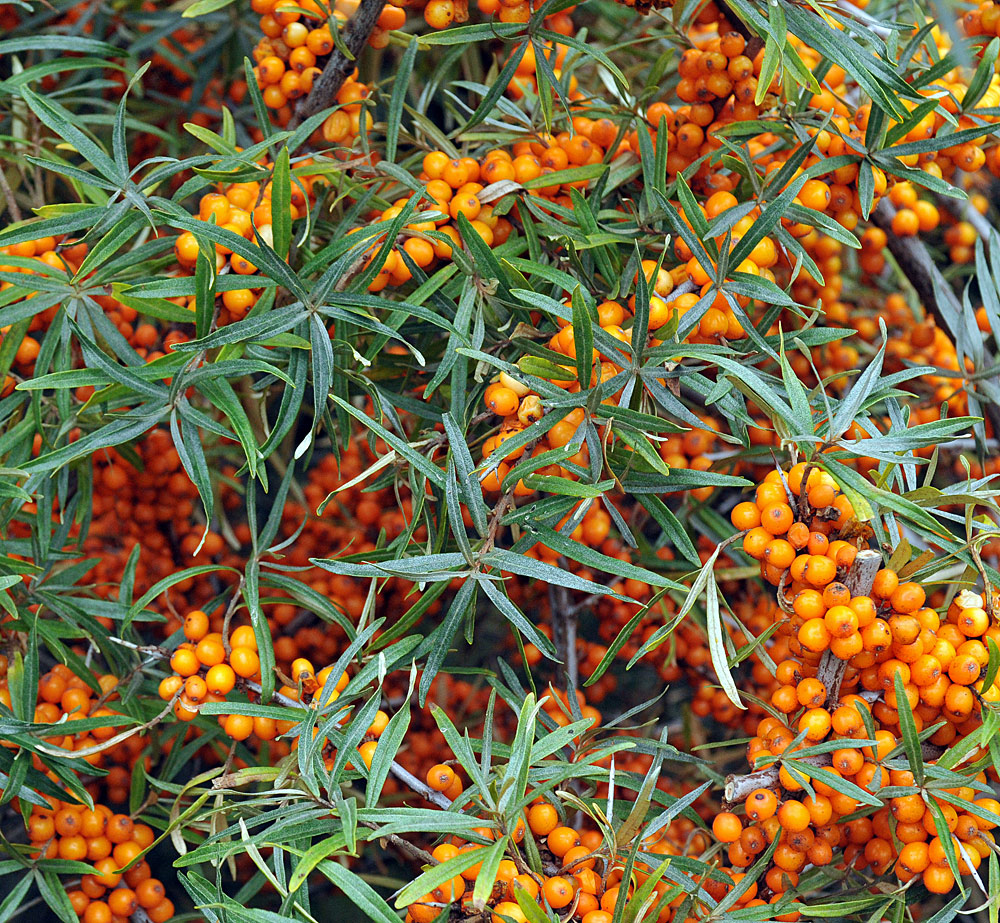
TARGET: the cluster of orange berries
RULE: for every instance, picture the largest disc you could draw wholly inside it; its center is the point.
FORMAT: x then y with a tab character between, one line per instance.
241	208
788	523
203	671
885	637
810	828
44	256
715	70
146	498
110	842
582	875
454	186
64	698
290	56
297	39
914	215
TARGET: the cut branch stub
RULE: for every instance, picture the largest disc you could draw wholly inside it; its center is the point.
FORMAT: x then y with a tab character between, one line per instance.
739	787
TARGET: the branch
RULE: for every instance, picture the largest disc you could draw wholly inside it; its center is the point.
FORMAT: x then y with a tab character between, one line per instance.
414	852
831	670
967	212
859	581
421	788
738	787
111	741
339	66
916	263
564	619
8	195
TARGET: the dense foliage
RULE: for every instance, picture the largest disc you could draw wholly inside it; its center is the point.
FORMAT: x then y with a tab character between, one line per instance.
527	462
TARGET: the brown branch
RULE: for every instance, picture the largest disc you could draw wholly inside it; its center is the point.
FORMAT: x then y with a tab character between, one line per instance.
918	267
564	624
111	741
421	788
859	581
339	67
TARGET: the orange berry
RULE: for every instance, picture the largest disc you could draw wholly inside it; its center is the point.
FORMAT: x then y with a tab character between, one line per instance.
727	827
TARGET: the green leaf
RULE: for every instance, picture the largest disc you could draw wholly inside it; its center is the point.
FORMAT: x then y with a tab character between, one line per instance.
201	7
583	328
360	893
717	645
911	740
980	81
61	121
443	872
432	472
281	201
398	99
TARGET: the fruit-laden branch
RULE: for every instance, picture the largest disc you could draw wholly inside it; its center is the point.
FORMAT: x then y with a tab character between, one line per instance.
830	673
859	581
932	287
340	65
404	776
739	787
917	265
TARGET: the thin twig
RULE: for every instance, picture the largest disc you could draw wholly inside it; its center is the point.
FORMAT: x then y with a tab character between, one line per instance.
831	670
339	66
414	852
111	741
12	206
421	788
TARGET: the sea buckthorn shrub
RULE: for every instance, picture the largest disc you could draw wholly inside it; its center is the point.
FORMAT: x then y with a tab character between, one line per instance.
512	461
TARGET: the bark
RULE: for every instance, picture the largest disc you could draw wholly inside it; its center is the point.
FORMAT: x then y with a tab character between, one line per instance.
339	67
